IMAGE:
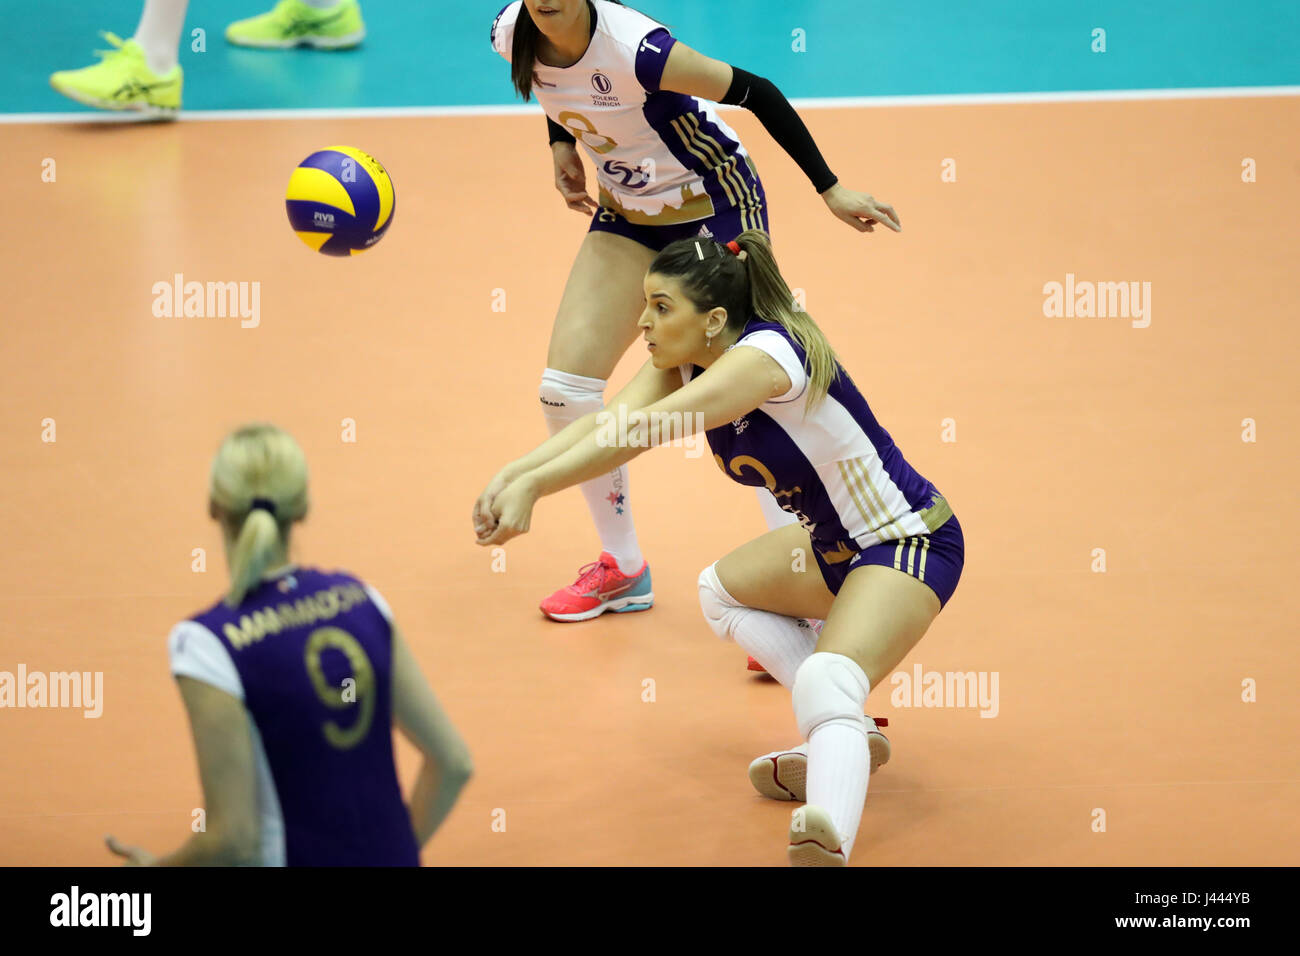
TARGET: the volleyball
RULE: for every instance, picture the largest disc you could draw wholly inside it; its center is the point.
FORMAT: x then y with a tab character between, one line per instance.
340	201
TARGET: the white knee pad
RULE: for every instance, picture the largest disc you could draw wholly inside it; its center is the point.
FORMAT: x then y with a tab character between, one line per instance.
566	397
720	608
829	689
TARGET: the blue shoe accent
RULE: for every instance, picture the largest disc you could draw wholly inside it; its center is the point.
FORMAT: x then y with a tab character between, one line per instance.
639	597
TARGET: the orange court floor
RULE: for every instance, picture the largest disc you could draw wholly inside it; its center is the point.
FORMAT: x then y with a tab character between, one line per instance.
1131	531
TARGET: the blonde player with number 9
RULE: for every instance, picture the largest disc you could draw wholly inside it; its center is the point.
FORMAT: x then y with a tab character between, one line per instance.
293	683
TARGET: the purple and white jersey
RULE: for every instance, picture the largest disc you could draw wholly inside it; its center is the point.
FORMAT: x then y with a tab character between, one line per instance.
661	157
309	653
834	467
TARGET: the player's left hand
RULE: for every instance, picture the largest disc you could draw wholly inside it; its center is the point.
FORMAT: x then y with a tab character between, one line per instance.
513	509
860	210
133	854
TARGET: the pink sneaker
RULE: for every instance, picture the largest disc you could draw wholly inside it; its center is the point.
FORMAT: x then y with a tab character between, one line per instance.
601	587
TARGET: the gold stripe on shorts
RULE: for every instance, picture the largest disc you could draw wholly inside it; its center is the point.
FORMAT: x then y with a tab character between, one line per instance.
925	547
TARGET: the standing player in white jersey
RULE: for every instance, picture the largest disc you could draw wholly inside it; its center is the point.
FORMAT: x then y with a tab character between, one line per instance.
668	168
729	354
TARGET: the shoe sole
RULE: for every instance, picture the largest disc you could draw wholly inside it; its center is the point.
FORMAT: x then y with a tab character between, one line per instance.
785	776
817	843
637	602
320	43
144	109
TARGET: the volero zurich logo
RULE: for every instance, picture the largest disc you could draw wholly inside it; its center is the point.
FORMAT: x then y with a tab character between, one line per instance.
602	84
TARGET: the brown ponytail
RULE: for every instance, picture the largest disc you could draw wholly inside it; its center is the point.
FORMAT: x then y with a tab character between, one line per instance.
772	301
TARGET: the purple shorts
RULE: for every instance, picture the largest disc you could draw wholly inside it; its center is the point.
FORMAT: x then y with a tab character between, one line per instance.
723	225
934	559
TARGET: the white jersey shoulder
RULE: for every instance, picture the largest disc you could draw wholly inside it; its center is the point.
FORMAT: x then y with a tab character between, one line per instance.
779	348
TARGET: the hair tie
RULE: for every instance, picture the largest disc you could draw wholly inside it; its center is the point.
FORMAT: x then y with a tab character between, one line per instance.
734	246
265	504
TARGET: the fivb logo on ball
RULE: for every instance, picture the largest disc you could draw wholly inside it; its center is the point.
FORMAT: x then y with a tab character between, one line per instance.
340	201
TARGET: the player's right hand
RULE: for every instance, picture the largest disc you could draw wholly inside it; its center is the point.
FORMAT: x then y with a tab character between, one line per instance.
513	510
485	522
571	178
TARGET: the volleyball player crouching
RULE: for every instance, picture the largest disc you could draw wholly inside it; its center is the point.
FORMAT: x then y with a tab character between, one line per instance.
668	167
780	412
293	684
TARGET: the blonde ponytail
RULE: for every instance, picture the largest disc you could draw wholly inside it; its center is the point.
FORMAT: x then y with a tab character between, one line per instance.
259	486
772	301
249	558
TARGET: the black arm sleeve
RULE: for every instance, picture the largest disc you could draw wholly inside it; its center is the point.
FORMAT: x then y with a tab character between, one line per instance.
764	100
558	133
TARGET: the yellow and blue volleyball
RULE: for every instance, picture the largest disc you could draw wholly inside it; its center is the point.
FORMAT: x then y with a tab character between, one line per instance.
340	201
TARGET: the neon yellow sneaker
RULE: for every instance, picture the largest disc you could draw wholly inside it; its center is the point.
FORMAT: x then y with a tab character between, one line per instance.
294	23
122	80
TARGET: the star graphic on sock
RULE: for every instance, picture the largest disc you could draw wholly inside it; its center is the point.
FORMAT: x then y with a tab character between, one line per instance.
613	497
618	511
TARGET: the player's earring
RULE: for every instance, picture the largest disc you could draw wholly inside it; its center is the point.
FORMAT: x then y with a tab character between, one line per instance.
708	341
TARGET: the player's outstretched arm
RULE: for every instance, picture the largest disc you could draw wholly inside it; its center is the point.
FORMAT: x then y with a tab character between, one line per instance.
223	742
736	384
648	385
561	441
690	72
420	718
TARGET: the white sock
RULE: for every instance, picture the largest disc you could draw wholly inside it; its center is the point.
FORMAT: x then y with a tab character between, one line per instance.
839	768
774	514
566	398
777	642
159	33
829	695
322	4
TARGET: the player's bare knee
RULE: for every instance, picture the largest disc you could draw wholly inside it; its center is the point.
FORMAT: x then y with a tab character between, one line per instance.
829	688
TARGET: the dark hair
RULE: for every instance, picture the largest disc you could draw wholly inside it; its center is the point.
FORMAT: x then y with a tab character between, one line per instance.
523	51
713	277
